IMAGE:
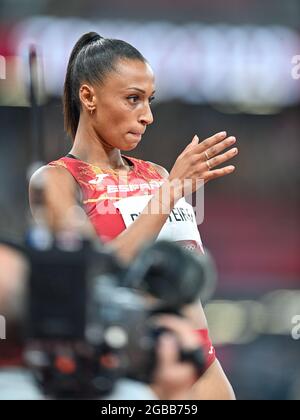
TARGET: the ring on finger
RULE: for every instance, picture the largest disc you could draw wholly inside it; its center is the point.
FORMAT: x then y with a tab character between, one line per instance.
208	164
206	155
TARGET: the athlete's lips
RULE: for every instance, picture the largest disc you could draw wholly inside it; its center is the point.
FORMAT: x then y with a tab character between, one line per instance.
137	135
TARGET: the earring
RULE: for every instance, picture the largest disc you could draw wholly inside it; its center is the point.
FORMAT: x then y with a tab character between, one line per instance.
92	110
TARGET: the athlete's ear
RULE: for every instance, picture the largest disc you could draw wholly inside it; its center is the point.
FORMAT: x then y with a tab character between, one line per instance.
87	97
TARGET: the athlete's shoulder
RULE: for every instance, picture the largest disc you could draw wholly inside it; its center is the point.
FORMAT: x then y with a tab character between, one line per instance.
160	169
51	172
149	167
59	163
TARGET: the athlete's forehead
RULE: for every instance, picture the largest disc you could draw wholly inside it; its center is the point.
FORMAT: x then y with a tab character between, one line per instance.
130	75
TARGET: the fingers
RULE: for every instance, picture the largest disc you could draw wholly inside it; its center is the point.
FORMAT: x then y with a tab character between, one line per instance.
218	160
218	148
167	350
193	143
174	377
218	173
210	142
211	146
209	154
182	328
201	158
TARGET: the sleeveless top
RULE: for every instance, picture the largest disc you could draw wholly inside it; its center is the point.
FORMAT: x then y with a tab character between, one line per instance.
113	201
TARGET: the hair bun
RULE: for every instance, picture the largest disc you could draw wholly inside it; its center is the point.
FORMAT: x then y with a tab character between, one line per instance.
94	36
85	40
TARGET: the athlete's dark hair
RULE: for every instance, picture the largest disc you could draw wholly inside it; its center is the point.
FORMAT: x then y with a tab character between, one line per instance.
92	58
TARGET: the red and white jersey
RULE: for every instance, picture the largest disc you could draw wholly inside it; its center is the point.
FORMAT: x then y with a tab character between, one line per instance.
113	201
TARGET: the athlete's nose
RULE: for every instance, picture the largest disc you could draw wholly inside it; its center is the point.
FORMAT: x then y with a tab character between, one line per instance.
146	117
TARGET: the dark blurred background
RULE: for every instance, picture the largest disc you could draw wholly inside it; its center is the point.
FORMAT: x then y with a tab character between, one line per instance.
231	66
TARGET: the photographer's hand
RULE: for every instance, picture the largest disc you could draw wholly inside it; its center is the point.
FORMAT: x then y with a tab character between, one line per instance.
173	378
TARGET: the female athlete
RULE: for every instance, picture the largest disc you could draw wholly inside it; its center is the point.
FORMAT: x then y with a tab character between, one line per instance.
109	88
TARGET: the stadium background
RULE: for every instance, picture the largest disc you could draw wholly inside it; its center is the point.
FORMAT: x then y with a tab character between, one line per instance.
219	65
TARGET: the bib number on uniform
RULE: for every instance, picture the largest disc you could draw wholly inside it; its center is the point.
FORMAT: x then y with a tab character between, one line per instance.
180	226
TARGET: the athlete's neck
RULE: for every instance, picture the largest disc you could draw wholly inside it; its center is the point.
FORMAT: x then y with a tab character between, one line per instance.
88	148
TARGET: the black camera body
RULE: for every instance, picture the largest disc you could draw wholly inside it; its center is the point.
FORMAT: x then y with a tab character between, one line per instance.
89	319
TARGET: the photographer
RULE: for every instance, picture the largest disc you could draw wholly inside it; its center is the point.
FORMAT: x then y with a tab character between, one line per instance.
174	378
171	379
16	382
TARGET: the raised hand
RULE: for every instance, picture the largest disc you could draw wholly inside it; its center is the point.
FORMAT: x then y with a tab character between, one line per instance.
198	160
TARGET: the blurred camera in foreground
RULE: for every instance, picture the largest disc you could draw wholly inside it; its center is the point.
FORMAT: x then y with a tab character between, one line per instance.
92	321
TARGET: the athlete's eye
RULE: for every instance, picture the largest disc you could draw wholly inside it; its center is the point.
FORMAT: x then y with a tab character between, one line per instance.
151	99
133	98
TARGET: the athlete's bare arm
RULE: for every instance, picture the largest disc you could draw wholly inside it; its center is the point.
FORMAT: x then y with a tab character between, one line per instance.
192	164
52	198
60	192
213	385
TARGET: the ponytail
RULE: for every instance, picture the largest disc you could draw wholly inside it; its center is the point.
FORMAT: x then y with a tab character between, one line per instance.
71	103
91	59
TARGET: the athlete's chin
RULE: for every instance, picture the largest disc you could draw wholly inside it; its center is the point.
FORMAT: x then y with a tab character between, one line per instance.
130	145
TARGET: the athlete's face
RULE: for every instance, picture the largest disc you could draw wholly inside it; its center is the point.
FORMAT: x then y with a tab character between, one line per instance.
123	105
